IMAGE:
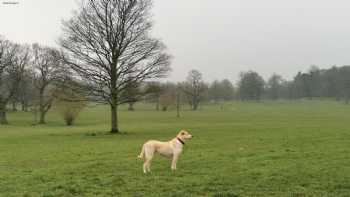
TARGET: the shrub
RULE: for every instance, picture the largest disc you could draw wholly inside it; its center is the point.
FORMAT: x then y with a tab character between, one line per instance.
69	105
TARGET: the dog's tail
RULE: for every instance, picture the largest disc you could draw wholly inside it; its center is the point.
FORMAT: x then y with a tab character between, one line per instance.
142	154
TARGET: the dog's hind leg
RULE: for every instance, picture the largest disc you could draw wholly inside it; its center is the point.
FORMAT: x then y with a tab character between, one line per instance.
148	165
149	153
142	154
145	167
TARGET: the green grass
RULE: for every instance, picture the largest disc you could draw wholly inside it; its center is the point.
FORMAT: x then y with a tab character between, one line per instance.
248	149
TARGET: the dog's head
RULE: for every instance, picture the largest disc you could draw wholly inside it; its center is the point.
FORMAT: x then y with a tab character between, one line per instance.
184	135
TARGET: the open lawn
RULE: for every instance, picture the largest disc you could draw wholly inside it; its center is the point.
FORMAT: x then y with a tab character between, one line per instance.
247	149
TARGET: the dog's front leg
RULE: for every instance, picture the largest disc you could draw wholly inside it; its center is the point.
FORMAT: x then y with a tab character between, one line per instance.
174	161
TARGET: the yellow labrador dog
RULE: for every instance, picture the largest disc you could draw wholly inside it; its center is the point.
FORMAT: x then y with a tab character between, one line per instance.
171	149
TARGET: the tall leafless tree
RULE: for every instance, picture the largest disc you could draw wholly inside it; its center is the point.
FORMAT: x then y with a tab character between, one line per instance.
194	88
27	91
14	59
48	69
6	56
108	44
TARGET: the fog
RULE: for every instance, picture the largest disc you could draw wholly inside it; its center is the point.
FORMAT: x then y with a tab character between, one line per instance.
219	38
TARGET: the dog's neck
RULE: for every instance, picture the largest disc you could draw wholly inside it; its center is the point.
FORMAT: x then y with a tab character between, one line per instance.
181	141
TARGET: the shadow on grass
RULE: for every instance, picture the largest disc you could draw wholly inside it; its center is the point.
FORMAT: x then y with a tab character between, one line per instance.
225	195
104	133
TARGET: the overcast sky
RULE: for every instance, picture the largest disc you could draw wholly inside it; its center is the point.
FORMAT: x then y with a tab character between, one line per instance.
220	38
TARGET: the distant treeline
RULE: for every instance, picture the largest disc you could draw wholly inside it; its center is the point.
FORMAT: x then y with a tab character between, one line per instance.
316	83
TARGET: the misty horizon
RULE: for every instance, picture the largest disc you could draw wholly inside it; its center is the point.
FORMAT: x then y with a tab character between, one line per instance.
219	39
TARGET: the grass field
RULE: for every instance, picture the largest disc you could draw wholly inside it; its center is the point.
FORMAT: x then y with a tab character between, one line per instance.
248	149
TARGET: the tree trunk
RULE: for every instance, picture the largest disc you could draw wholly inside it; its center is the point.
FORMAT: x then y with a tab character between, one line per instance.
114	118
3	119
114	99
24	105
178	105
42	107
14	106
131	107
42	117
195	103
195	106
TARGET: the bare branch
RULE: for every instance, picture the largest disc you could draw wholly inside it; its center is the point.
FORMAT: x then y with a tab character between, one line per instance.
107	43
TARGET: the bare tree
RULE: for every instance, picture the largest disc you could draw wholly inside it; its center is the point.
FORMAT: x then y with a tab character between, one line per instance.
48	69
6	56
69	101
153	92
13	60
108	44
194	88
26	91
